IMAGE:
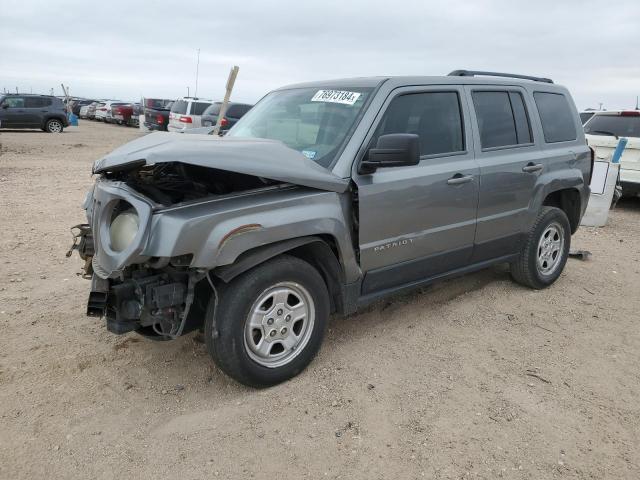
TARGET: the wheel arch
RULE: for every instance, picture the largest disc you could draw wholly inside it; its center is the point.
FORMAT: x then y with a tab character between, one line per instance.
320	251
569	201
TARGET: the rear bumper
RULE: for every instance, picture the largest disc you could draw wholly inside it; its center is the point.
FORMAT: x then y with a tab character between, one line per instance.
630	176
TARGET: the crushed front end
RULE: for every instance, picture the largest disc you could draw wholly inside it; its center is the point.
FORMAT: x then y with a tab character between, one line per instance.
133	291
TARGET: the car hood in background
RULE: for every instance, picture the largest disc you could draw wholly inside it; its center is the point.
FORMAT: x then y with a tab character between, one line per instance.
270	159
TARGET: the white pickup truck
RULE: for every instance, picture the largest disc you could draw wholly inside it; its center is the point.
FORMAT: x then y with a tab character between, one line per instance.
603	132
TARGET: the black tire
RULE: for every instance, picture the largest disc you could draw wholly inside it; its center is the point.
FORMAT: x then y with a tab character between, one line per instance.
527	269
54	125
225	322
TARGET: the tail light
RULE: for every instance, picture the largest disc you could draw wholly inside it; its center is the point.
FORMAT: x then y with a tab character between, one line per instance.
160	119
186	120
224	122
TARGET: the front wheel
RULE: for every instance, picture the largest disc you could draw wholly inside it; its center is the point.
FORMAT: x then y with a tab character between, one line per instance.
53	126
269	322
545	250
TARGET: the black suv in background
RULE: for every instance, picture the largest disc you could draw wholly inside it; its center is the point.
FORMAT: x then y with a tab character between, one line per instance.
235	111
33	111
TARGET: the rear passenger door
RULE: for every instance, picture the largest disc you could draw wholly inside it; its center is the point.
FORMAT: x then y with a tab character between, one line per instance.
510	164
35	108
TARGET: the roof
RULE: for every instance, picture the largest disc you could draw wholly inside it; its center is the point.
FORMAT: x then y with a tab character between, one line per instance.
27	95
398	81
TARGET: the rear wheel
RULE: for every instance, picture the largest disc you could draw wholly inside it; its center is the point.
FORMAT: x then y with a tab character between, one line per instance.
545	250
269	322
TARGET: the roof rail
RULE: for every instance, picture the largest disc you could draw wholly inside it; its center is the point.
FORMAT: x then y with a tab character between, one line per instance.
473	73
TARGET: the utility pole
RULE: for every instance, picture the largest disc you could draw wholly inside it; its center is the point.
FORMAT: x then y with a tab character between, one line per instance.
637	106
223	108
187	91
197	72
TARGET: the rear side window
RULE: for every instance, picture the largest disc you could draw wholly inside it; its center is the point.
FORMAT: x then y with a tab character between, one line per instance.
180	107
618	125
36	102
558	124
197	108
434	116
237	111
502	119
213	109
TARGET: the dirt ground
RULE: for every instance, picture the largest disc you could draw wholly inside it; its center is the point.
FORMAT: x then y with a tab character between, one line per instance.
472	378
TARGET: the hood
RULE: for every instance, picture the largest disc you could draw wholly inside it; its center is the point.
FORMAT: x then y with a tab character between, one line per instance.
270	159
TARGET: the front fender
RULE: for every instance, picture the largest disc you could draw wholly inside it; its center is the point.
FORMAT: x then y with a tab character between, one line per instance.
217	233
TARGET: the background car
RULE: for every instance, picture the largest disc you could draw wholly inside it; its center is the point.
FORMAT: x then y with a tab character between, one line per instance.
91	110
186	113
104	110
603	131
586	115
235	111
121	113
33	111
156	113
78	104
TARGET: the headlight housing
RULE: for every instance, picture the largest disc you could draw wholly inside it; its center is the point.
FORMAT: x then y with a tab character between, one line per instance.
123	229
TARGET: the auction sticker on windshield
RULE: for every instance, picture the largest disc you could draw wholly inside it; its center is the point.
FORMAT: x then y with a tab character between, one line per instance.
336	96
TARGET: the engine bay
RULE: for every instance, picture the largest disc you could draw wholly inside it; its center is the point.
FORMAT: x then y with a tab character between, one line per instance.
175	182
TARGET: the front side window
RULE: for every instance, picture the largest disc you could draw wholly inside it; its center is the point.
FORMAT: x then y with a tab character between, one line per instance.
502	119
558	123
434	116
14	102
314	121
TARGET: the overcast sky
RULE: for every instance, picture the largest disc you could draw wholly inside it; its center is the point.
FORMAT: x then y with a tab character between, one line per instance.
127	49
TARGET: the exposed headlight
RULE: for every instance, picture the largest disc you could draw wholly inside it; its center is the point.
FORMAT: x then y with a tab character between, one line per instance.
123	230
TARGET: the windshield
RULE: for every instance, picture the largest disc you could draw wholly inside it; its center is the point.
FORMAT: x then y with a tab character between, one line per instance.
313	121
618	125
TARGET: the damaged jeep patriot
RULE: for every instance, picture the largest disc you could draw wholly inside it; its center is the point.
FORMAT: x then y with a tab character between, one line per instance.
327	196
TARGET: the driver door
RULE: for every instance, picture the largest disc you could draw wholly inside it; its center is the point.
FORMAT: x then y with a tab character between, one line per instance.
12	112
416	222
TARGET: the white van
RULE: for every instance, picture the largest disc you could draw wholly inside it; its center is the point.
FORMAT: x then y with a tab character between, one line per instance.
186	113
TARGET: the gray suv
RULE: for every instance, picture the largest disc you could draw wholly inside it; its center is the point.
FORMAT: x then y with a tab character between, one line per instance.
328	196
33	111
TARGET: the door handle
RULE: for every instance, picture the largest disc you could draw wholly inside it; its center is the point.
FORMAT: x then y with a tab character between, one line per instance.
532	167
459	179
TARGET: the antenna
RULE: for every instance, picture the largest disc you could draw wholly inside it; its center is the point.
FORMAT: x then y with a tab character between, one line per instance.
187	90
197	72
637	106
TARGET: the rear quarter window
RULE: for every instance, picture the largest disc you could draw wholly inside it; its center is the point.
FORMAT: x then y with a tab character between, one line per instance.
558	123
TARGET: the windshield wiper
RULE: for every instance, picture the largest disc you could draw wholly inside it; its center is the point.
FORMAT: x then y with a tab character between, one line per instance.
603	132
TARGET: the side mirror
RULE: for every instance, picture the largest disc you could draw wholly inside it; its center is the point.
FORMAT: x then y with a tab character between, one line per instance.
392	150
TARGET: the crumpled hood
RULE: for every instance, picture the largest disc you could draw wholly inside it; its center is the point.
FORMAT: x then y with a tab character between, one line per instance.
270	159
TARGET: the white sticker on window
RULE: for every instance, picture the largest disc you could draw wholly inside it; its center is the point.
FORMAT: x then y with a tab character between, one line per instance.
310	154
336	96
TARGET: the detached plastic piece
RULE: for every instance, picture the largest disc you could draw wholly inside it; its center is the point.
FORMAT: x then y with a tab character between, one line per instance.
580	254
